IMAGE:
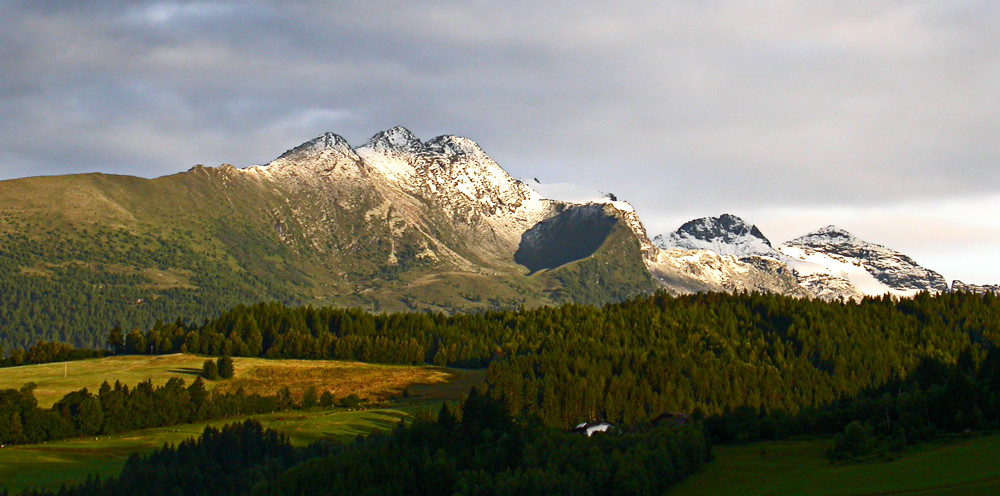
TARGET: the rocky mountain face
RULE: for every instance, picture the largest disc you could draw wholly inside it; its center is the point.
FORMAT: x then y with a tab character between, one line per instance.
829	263
725	235
891	269
975	288
720	254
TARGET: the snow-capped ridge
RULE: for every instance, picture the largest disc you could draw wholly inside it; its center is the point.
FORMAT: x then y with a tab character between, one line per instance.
826	235
975	288
726	234
872	268
829	262
326	141
396	139
454	146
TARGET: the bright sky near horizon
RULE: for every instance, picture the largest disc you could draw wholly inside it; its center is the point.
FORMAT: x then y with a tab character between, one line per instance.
881	117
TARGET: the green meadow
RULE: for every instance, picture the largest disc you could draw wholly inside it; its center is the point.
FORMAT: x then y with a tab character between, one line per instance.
953	466
53	464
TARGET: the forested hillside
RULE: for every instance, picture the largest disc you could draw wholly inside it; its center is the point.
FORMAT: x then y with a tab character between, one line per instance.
630	361
881	374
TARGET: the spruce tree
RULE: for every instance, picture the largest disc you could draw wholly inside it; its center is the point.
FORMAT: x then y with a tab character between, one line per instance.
225	367
309	399
210	370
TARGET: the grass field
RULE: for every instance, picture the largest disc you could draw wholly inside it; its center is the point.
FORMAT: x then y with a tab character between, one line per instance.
65	462
52	464
969	466
255	375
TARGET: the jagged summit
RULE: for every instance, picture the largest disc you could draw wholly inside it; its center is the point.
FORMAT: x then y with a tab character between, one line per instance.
827	235
326	141
726	234
454	146
396	139
399	140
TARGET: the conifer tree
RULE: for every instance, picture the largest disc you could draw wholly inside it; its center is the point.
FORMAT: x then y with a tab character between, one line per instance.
210	370
225	367
309	398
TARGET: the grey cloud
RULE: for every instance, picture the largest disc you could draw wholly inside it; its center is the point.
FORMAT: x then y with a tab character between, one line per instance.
687	106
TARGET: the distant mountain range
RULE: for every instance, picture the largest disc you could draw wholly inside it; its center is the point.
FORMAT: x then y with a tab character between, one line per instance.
395	224
828	263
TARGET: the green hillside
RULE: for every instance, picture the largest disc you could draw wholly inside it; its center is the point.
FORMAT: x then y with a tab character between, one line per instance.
51	465
81	254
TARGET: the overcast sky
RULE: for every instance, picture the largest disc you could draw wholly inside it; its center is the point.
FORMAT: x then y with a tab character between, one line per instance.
880	117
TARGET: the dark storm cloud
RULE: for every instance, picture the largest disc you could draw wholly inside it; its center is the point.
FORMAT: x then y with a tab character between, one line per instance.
683	108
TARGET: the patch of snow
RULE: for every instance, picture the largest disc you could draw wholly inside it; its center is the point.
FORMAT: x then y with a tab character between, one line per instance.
573	193
809	262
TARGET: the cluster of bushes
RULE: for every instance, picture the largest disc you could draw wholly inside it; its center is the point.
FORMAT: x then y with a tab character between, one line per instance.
859	440
221	368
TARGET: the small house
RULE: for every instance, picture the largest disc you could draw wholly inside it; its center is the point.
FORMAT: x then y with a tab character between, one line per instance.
589	428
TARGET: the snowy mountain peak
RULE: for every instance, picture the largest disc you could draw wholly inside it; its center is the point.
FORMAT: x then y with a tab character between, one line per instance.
975	288
825	236
396	139
456	146
325	142
327	155
725	226
726	234
871	268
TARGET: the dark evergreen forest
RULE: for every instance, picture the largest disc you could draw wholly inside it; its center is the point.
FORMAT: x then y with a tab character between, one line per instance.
881	373
627	362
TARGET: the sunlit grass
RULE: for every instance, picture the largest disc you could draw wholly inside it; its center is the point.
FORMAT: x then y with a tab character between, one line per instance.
254	375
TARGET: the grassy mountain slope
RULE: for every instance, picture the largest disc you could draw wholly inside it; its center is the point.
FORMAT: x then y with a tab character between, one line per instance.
80	254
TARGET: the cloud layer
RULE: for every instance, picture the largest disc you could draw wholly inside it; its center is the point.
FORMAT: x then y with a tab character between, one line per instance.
780	109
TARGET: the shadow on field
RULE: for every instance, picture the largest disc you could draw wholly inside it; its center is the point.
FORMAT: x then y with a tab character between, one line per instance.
456	388
186	371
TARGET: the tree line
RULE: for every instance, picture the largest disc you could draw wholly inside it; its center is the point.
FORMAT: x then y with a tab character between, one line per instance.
48	352
119	408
